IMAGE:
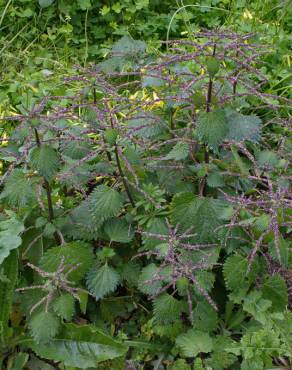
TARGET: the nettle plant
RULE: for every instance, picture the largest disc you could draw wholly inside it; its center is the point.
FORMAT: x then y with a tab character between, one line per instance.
151	204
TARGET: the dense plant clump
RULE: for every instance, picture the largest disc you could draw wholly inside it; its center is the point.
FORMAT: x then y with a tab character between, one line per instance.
146	214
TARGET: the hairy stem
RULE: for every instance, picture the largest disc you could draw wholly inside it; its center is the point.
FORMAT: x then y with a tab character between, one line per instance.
122	175
202	187
48	192
121	172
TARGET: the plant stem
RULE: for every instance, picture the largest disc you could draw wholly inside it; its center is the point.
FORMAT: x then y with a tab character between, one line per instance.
121	172
48	192
122	175
202	189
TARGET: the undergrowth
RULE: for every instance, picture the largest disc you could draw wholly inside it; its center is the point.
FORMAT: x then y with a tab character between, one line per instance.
146	213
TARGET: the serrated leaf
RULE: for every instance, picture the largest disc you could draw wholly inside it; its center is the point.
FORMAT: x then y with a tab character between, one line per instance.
102	280
194	342
74	253
267	159
130	272
275	290
75	150
235	272
104	203
18	190
212	128
81	224
9	235
180	364
255	305
118	230
128	46
44	326
64	306
242	127
215	180
45	160
178	152
80	346
200	213
205	317
145	127
146	275
166	308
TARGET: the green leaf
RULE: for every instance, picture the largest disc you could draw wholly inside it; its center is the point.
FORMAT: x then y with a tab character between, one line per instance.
118	230
180	364
45	160
205	317
166	308
275	290
102	280
146	126
267	159
212	128
20	361
80	346
130	272
235	273
44	326
129	47
81	224
75	253
19	190
9	235
64	306
241	127
104	203
146	275
178	152
75	150
194	342
213	66
111	135
215	180
84	4
45	3
255	305
201	213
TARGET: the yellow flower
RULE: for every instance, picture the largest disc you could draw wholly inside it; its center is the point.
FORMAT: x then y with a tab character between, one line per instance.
247	14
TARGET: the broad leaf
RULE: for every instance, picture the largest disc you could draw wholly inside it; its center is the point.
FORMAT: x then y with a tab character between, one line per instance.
80	346
241	127
145	126
166	308
178	152
275	290
235	273
45	3
201	213
194	342
45	160
19	189
64	306
212	128
75	253
145	284
9	235
118	230
102	280
104	202
44	326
